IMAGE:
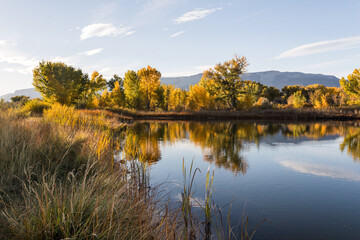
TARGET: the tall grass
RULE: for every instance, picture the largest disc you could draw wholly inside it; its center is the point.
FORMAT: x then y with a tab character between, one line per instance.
58	181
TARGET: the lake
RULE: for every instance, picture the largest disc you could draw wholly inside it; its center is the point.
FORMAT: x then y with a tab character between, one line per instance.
303	177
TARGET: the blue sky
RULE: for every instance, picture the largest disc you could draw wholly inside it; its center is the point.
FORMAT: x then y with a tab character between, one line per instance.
178	37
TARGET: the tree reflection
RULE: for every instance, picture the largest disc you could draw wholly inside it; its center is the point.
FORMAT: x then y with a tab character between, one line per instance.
351	142
223	143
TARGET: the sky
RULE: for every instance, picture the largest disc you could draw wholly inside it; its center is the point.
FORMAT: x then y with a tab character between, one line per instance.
178	37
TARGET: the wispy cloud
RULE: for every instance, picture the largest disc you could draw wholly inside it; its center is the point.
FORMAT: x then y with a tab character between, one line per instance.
320	47
20	62
104	29
195	15
92	52
177	34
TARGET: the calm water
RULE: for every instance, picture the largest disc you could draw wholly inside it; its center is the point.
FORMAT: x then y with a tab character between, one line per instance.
305	178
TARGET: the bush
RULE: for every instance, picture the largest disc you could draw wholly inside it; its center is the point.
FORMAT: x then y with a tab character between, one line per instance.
35	106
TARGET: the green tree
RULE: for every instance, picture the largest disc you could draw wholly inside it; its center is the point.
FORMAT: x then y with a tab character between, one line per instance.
351	85
58	82
227	79
271	93
132	89
21	99
118	95
113	80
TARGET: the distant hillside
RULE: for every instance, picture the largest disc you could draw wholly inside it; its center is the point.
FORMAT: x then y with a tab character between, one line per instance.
182	82
269	78
30	92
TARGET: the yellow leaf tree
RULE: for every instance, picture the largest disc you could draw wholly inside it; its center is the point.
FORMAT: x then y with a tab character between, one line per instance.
351	86
149	83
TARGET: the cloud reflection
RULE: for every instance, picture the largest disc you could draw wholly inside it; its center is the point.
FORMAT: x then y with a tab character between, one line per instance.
320	170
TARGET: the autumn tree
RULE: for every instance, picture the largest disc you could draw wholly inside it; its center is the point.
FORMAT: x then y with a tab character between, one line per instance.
115	79
58	82
96	83
297	100
132	89
227	79
177	99
167	92
199	98
118	95
149	83
351	85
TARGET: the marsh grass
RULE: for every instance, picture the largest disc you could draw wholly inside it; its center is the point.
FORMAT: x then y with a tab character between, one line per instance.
58	180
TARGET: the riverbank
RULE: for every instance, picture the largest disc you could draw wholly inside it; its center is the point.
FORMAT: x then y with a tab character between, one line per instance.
59	180
288	114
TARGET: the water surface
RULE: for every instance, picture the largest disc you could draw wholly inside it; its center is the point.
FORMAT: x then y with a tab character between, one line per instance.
303	177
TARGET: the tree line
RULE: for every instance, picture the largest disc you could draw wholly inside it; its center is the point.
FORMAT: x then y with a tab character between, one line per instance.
221	88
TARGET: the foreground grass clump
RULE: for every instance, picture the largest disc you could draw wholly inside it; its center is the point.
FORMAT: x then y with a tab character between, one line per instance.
34	106
59	182
89	119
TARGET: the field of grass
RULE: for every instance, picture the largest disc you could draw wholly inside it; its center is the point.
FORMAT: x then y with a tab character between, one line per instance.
58	180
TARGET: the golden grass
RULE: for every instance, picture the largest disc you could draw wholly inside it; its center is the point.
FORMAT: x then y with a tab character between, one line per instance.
58	181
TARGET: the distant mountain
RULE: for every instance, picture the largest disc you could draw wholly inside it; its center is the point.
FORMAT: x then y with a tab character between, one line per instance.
182	82
30	92
269	78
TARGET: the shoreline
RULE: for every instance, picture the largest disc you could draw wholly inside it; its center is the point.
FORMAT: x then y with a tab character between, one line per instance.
337	114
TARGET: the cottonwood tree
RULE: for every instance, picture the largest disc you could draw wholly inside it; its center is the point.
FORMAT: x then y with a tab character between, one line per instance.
58	82
351	85
113	80
227	79
132	89
149	83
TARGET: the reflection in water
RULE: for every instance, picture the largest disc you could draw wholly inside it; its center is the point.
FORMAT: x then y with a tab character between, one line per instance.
352	142
223	143
320	170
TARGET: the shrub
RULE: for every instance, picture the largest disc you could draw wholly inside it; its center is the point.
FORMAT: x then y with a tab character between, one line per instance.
35	106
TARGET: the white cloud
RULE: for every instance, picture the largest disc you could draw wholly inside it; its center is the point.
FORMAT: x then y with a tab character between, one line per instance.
177	34
92	52
195	15
18	61
320	47
25	71
104	29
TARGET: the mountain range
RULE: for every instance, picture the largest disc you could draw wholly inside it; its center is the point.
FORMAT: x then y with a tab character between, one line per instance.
269	78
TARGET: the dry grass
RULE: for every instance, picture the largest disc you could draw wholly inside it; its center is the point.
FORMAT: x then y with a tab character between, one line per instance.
58	181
